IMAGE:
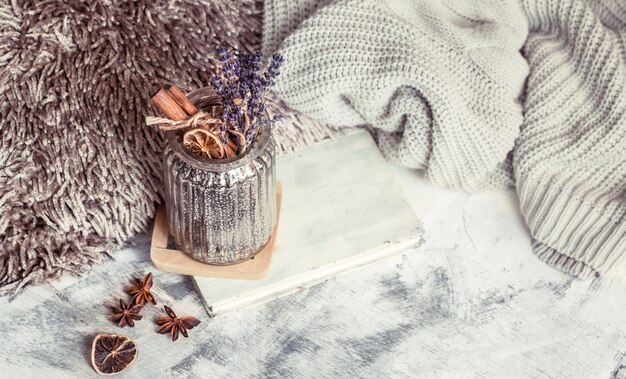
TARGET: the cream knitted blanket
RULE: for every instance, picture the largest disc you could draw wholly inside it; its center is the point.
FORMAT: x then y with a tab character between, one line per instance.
479	94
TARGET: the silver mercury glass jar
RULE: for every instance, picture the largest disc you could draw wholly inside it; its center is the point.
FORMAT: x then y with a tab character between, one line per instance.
222	211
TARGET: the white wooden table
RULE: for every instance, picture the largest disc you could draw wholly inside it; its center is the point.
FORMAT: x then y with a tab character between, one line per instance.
471	301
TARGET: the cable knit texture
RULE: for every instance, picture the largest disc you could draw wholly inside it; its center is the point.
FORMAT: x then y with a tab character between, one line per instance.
481	94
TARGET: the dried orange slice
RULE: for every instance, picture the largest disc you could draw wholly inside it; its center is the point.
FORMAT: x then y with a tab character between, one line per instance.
112	353
203	142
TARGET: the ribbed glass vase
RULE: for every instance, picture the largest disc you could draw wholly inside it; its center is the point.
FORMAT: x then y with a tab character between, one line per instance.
220	211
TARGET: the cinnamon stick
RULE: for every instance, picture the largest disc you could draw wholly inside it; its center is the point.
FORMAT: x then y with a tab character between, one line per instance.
164	101
230	153
182	100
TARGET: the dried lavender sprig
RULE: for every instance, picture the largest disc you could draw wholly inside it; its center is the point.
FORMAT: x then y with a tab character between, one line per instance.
243	87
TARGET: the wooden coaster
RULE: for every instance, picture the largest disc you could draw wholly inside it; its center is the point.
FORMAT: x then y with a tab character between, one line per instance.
172	260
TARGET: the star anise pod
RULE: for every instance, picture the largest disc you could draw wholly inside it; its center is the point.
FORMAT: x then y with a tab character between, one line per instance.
126	314
174	325
141	290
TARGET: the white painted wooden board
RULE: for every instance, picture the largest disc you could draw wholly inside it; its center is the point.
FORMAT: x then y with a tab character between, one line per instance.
342	209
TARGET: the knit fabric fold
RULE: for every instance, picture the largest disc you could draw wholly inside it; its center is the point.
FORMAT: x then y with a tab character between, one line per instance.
570	157
479	95
378	63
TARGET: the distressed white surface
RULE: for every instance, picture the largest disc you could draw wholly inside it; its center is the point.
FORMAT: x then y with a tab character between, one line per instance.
472	301
340	202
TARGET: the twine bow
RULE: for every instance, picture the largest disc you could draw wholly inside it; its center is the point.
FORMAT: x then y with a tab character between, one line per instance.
198	119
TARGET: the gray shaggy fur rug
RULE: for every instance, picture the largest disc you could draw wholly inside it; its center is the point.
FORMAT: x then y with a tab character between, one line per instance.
79	171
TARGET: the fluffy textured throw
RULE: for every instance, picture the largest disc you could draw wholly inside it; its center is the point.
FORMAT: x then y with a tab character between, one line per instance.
479	94
79	170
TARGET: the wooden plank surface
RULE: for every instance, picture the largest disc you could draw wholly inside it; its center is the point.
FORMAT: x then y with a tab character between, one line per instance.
472	301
